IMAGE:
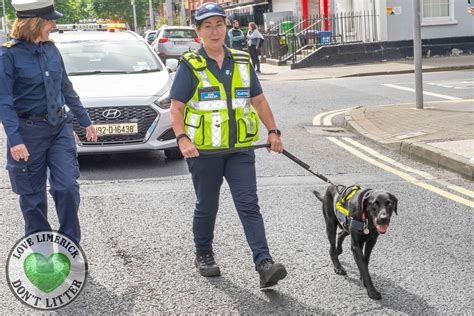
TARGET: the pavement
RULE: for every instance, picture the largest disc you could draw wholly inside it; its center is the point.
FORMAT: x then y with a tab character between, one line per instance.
442	133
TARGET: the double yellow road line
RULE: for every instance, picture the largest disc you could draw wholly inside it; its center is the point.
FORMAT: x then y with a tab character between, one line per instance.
409	174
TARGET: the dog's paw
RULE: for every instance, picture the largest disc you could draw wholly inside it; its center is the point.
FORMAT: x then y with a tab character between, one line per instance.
340	271
374	294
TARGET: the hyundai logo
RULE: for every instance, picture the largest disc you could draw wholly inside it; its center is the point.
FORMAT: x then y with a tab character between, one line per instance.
111	114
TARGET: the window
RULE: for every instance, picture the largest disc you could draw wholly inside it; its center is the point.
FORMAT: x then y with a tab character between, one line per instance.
435	12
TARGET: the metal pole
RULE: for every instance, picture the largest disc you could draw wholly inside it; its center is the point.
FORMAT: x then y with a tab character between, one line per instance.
135	27
417	54
152	15
169	11
182	13
4	18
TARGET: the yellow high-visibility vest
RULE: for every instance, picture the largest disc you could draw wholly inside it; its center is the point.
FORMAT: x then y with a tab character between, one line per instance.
206	114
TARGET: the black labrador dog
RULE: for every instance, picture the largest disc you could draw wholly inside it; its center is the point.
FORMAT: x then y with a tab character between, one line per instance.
363	214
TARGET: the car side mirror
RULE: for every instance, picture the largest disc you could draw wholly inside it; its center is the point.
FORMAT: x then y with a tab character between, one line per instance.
171	64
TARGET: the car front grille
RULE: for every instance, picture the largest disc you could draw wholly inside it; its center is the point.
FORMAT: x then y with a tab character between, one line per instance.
143	115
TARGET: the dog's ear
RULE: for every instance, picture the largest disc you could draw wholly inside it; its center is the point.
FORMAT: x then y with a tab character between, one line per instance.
394	201
366	199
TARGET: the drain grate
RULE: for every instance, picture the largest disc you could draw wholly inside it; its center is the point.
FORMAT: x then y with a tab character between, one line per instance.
328	131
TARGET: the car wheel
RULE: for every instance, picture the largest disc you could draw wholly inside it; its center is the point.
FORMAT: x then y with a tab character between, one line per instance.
173	153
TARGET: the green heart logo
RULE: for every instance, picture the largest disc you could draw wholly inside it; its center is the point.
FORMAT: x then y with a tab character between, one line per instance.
47	274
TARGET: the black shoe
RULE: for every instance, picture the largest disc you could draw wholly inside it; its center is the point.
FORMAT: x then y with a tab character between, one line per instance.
206	264
270	273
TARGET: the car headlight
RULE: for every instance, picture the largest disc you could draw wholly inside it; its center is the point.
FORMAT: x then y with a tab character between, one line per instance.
164	102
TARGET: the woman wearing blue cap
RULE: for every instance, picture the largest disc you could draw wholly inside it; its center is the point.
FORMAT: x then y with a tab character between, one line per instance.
217	102
34	88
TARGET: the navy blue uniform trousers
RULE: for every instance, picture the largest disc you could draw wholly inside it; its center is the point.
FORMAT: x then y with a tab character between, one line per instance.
52	151
239	171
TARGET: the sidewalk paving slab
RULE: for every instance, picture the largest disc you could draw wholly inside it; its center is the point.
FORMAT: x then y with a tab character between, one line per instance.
441	134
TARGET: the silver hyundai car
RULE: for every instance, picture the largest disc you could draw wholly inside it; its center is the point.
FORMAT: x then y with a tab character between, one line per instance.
125	89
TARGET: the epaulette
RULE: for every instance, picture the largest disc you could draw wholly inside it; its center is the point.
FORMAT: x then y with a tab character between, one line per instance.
239	56
194	60
10	43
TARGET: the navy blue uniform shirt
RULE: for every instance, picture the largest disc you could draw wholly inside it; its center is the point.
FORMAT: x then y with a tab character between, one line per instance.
31	74
185	82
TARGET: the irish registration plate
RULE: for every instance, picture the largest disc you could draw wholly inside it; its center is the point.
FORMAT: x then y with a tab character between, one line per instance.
117	129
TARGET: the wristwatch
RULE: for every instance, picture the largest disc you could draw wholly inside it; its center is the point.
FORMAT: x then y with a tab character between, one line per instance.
274	130
181	136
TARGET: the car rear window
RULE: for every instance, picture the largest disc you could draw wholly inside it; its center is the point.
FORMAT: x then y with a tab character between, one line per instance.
151	36
177	33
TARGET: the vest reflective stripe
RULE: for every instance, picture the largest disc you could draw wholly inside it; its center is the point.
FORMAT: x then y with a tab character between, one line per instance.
206	113
208	105
243	71
244	74
216	129
206	80
193	120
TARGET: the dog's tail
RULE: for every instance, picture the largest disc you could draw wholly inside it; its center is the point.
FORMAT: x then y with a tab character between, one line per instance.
318	195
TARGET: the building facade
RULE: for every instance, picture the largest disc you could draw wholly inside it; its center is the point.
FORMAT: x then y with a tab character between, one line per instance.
440	18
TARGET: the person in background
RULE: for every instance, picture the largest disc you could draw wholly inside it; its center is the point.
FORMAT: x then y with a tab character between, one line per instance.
236	36
217	103
34	89
254	41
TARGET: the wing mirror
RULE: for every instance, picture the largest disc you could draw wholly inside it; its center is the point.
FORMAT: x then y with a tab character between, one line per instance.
171	64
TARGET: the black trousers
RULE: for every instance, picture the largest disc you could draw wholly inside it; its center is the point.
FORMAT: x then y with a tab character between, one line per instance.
254	57
238	169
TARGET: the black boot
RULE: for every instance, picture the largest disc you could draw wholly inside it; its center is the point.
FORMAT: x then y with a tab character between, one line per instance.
270	273
206	264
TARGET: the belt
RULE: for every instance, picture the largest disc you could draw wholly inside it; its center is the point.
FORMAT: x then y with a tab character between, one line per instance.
40	117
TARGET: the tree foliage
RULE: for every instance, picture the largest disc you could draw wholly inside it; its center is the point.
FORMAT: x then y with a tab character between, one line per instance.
118	10
122	10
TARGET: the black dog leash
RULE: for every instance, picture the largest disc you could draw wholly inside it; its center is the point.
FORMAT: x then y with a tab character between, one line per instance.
286	153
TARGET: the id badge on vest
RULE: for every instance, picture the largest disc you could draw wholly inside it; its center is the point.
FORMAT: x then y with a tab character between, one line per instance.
209	94
242	93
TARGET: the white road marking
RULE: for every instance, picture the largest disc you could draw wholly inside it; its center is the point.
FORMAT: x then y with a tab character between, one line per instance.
442	96
317	118
388	160
401	166
456	188
407	177
327	121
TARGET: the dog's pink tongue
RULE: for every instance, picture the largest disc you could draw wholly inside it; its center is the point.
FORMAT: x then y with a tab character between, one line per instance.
382	228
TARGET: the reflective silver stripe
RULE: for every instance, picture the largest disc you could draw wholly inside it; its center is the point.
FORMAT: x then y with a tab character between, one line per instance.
244	74
205	79
240	103
216	129
208	105
193	119
251	125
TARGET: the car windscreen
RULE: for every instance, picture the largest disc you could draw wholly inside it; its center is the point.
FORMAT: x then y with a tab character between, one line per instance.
179	33
87	57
